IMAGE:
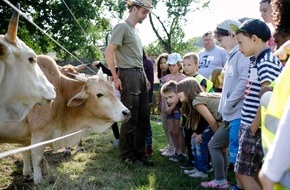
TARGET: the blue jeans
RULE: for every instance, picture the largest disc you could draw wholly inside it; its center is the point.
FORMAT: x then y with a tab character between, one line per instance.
234	139
200	151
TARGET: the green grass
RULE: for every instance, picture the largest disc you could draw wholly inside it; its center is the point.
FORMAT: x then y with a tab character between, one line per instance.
99	167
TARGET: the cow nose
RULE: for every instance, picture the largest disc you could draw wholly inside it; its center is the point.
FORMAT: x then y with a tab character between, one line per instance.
126	113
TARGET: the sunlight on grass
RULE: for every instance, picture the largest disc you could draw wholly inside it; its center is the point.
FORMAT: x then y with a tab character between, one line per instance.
152	180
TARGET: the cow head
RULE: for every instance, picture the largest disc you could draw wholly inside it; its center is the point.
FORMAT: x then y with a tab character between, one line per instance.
101	102
22	82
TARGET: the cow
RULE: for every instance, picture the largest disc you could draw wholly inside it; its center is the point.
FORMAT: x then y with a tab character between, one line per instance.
80	103
22	82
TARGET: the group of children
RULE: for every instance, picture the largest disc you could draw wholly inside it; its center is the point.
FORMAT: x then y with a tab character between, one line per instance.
217	120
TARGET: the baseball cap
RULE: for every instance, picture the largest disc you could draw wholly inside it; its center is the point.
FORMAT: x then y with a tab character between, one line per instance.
173	59
224	28
142	3
255	27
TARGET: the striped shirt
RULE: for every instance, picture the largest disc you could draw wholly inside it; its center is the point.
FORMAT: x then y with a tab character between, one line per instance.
265	68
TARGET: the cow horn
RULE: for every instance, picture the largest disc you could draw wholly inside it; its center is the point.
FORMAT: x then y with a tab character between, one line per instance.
79	77
13	26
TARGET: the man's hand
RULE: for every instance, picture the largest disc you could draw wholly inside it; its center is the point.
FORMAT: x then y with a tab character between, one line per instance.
94	64
117	83
148	84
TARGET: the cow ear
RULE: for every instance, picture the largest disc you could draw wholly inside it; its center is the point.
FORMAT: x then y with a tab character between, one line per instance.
77	100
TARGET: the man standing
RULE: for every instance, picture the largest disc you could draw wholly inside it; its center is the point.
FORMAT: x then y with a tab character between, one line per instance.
211	57
125	48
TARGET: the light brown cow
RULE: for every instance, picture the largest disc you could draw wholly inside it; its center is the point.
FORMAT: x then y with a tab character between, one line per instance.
22	82
90	103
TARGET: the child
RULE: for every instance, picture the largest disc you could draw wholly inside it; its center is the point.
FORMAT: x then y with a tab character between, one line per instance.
217	78
236	74
252	36
173	118
197	104
175	67
162	71
190	67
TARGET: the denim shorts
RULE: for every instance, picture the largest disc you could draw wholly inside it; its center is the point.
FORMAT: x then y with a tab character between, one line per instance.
250	154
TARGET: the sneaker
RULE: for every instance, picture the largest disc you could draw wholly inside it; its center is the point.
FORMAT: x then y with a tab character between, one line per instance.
174	158
116	143
187	165
146	161
161	150
177	158
192	171
214	185
169	152
198	174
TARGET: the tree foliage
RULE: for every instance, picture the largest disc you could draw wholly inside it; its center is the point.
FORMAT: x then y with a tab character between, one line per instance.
169	30
78	25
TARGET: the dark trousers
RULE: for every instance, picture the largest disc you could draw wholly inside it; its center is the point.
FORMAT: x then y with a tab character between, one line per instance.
115	129
187	137
134	96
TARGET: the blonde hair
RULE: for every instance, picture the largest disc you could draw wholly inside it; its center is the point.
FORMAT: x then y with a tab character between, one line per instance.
168	87
192	55
214	77
191	88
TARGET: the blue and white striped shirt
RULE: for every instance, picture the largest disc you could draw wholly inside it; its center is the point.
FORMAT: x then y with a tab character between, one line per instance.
265	68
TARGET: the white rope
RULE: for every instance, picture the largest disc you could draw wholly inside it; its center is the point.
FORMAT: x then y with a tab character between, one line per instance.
22	14
74	17
15	151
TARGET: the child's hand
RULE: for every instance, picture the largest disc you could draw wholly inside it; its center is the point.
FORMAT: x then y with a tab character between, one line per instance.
168	110
198	139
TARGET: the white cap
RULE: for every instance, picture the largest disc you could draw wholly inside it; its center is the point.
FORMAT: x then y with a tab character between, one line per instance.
174	58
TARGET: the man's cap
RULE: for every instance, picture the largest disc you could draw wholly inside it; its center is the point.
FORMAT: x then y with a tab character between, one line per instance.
174	58
224	26
254	27
142	3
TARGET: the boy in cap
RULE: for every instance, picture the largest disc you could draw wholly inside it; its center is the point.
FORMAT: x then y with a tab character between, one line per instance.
235	80
252	36
126	48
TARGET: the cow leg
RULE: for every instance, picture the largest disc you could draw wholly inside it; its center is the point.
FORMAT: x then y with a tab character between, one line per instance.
80	146
27	170
66	152
37	154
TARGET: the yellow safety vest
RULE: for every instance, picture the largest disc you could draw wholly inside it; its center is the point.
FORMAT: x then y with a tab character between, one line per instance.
209	85
272	114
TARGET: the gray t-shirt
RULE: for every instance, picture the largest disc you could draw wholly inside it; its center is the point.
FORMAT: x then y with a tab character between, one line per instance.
129	52
209	60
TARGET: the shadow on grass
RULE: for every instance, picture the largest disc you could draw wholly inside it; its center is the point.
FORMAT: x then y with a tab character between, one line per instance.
99	168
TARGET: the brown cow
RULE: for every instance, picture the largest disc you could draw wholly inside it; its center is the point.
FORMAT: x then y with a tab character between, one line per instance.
90	103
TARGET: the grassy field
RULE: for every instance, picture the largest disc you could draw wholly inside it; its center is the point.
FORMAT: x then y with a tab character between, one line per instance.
100	168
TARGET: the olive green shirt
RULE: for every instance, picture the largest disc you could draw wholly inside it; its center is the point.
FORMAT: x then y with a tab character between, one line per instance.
211	101
129	52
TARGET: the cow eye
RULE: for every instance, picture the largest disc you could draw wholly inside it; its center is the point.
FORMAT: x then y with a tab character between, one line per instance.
32	59
99	95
